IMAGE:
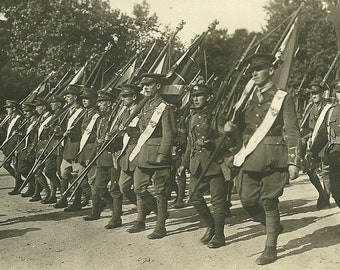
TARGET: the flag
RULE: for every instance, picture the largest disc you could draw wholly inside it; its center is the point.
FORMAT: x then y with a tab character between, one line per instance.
286	54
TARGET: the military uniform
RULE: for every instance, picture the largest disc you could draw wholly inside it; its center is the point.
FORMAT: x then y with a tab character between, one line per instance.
125	181
71	144
105	171
153	159
26	150
264	171
333	146
14	121
203	138
46	135
314	153
88	130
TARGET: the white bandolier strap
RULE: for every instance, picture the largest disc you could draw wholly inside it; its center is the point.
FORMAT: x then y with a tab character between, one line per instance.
318	123
29	129
126	137
73	117
11	125
156	116
85	136
43	124
262	130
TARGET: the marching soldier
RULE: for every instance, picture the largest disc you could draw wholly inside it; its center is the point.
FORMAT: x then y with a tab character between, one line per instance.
14	122
202	141
27	151
88	130
315	110
51	168
152	155
43	110
105	171
267	158
130	95
333	143
71	147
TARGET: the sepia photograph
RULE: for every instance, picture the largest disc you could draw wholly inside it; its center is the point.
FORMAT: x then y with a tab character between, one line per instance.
154	134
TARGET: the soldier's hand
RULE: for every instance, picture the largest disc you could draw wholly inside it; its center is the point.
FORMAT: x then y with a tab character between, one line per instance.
293	172
229	127
180	170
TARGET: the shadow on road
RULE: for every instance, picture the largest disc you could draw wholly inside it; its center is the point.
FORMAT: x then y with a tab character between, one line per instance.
16	232
56	216
322	238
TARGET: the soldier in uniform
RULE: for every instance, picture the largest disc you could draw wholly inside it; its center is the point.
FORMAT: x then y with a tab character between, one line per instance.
267	158
27	151
73	128
105	170
202	141
51	168
152	155
14	122
130	96
314	159
88	130
332	143
43	110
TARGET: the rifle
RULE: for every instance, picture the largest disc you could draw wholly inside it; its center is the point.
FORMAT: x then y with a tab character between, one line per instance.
77	182
40	160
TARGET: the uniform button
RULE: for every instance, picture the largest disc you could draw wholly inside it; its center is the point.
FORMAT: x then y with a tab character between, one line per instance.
198	125
259	105
256	125
200	117
257	115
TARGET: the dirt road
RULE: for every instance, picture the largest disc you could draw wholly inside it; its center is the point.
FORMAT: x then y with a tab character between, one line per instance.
37	236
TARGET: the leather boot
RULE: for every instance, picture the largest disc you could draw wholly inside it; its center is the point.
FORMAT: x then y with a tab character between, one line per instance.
131	196
142	211
96	209
205	214
268	256
116	220
138	226
107	198
181	192
86	193
162	214
18	183
37	190
76	204
62	203
218	239
50	200
149	201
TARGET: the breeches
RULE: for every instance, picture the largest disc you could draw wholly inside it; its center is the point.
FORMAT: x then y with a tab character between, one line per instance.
142	179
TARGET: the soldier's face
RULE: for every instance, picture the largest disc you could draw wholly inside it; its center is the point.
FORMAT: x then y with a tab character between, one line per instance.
199	100
55	106
262	75
88	103
128	100
10	110
104	105
150	89
39	109
316	97
70	99
28	114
